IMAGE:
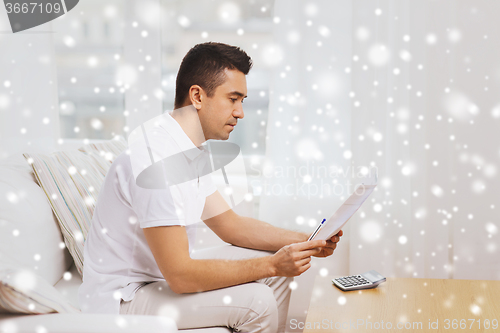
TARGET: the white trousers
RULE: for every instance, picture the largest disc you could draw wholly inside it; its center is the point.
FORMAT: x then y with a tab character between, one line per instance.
259	306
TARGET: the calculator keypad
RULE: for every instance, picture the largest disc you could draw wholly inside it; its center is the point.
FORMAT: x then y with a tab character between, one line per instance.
352	281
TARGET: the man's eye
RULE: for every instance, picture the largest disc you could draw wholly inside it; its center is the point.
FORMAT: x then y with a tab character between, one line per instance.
233	99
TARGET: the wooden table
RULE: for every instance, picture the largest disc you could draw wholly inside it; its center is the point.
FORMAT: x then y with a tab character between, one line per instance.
416	305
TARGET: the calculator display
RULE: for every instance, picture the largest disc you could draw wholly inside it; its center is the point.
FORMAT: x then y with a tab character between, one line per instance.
371	277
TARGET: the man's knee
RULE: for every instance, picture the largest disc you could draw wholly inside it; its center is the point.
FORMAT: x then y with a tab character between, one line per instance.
262	308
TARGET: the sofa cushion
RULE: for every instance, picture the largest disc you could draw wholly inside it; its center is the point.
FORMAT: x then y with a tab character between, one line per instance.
208	330
87	323
71	181
23	291
68	286
107	149
25	215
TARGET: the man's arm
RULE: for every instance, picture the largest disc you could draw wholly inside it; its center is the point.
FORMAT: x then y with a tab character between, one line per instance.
170	248
245	231
251	233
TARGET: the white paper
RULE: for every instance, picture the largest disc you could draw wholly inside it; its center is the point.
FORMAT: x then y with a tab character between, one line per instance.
333	225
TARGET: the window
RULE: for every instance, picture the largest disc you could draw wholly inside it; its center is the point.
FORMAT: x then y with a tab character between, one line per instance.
89	48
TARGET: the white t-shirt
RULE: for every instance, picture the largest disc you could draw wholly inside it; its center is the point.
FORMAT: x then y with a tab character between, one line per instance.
117	258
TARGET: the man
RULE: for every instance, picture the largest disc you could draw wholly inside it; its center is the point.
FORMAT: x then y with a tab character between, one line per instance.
137	253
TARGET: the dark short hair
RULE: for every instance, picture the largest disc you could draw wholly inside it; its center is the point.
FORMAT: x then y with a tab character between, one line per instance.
204	65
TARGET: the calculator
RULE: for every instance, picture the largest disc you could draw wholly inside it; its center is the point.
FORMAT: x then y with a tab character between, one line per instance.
367	280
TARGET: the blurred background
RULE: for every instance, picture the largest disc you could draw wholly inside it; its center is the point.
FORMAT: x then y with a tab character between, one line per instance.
340	92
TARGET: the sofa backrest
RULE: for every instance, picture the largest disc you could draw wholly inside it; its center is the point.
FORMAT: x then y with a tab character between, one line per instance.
29	233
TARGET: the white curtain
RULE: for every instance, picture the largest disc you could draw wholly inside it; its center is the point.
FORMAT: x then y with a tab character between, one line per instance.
408	88
29	106
140	68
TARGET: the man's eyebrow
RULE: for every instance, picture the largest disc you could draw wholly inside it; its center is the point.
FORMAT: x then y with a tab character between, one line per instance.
237	93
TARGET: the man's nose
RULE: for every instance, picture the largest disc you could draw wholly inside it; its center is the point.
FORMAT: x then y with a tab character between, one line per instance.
238	112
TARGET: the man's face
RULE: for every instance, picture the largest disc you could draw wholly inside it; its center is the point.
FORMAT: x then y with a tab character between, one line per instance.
220	113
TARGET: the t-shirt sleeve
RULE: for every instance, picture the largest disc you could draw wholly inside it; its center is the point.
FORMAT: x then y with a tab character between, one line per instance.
156	207
208	186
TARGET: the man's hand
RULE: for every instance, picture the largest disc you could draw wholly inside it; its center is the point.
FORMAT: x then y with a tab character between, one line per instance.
294	259
330	246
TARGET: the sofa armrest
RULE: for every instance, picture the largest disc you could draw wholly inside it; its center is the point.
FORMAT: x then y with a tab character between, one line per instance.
86	323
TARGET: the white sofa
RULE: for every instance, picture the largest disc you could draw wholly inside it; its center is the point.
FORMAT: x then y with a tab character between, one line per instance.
30	239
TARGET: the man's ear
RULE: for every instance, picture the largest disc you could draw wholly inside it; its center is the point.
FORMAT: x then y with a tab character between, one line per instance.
195	97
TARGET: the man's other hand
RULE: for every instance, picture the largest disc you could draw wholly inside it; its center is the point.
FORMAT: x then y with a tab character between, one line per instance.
330	246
